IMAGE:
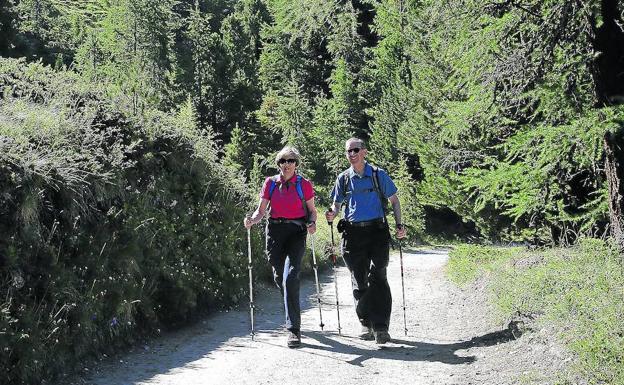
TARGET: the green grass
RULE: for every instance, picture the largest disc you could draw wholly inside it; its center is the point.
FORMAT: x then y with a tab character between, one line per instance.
579	290
467	262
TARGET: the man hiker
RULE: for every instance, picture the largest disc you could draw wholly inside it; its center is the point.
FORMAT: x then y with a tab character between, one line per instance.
292	215
363	190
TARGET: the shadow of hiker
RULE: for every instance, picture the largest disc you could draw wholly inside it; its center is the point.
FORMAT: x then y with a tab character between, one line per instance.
404	350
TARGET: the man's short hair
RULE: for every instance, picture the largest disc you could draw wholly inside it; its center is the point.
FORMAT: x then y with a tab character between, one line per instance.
359	141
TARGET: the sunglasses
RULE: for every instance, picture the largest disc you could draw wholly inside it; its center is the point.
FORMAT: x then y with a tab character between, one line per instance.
291	161
353	150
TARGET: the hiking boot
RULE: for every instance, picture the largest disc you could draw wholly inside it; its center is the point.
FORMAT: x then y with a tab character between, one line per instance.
294	339
367	333
382	336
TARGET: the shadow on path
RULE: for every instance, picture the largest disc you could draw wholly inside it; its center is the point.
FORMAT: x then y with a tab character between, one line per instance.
229	332
415	251
404	350
222	331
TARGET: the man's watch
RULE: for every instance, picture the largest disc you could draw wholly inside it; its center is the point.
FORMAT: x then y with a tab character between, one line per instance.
399	226
310	223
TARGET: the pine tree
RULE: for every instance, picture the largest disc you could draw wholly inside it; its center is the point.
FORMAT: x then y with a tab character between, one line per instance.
127	45
412	214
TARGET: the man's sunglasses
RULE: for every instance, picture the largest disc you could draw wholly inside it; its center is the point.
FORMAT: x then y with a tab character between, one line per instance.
353	150
291	161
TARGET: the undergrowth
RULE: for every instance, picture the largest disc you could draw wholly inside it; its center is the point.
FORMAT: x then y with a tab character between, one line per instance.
579	290
113	226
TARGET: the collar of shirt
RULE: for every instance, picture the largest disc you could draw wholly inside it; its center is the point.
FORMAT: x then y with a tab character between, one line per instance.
285	184
292	180
368	171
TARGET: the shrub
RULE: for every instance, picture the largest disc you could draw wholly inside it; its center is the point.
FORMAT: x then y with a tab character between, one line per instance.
113	226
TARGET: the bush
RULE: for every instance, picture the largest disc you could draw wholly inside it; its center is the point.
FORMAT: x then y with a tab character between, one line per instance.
112	226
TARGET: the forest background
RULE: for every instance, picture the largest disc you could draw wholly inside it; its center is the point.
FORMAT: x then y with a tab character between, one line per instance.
135	134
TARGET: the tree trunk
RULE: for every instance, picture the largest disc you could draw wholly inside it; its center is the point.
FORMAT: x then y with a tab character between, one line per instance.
608	41
614	164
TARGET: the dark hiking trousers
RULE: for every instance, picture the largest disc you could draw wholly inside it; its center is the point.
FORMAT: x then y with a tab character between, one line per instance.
366	252
285	245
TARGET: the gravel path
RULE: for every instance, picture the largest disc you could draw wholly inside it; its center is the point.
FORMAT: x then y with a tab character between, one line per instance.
450	340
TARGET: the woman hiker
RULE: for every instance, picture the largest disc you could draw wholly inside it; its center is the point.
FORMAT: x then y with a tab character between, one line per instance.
292	215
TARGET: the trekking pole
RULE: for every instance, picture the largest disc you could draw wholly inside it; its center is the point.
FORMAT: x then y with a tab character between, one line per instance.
318	291
251	302
333	258
402	286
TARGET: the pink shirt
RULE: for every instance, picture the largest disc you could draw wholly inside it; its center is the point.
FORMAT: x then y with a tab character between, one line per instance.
285	202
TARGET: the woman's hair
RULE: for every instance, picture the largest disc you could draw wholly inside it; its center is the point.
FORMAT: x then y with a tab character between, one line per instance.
288	152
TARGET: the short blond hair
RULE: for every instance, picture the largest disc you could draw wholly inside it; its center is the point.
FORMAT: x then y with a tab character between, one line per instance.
290	152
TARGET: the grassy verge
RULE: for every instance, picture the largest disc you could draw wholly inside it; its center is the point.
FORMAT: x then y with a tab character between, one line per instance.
580	290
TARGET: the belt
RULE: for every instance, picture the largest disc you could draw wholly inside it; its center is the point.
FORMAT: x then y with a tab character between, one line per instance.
297	221
373	222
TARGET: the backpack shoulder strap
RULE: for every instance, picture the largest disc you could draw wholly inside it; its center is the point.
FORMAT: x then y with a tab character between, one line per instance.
377	188
299	188
274	180
376	179
344	180
302	197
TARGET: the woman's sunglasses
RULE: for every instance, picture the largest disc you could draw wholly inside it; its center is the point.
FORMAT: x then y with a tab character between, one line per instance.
353	150
291	161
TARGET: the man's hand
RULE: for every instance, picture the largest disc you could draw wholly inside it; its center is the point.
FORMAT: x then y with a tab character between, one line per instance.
400	231
247	222
330	215
311	227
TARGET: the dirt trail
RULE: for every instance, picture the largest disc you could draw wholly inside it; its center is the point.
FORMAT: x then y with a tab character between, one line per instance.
450	340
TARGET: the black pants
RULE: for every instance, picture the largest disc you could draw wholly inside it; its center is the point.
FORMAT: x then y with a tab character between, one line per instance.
366	251
285	246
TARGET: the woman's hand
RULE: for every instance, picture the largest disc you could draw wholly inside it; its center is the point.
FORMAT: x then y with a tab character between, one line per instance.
257	215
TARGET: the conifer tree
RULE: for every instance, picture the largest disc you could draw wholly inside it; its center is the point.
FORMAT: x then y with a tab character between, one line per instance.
411	209
127	45
332	126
